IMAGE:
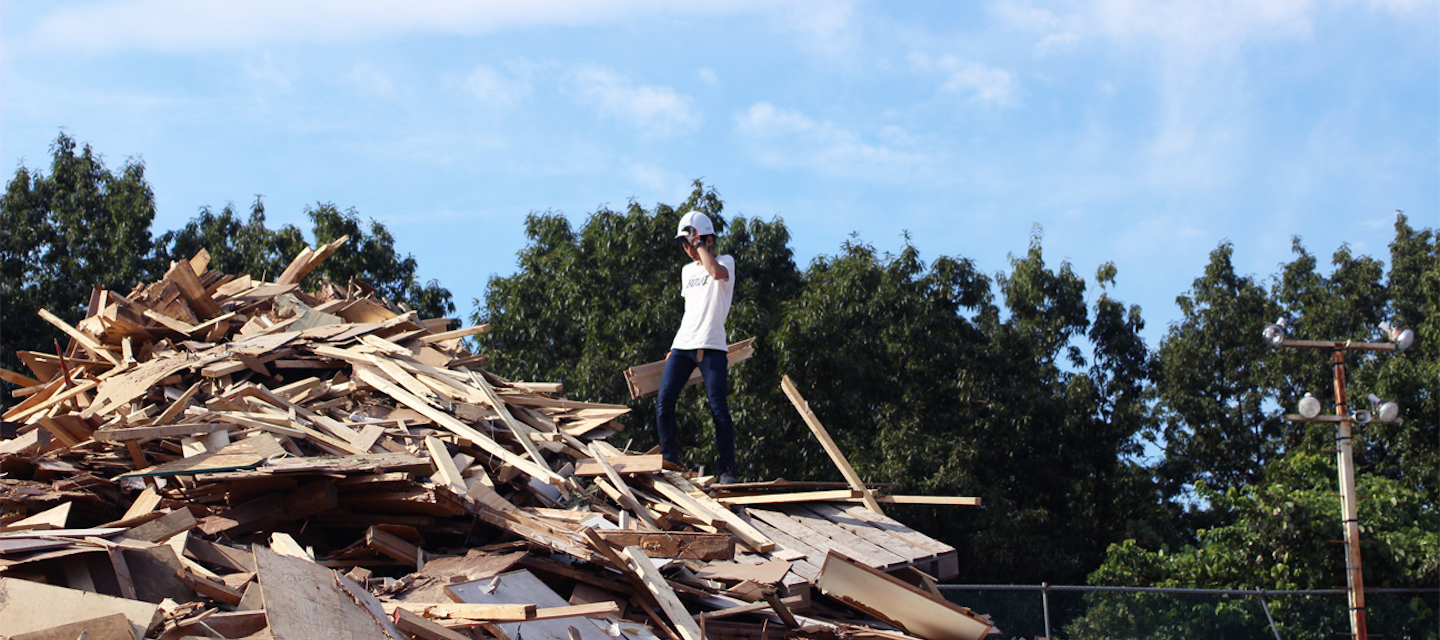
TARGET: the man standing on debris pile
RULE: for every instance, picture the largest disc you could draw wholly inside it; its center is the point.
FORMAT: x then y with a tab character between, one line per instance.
707	284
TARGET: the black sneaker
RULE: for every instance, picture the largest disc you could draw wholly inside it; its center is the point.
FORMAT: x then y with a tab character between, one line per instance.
727	477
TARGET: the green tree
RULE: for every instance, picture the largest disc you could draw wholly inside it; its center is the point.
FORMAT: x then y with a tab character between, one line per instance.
60	234
236	246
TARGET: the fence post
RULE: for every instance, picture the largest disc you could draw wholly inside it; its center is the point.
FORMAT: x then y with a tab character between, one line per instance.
1260	593
1045	603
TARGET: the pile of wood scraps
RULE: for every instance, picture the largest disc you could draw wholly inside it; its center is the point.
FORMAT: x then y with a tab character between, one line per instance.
213	456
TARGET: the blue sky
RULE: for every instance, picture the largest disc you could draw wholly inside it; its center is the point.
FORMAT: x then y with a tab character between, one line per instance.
1143	133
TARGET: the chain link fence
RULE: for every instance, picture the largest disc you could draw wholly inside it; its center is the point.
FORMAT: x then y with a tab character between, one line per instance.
1123	613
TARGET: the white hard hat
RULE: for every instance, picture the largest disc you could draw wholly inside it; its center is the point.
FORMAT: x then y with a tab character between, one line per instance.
699	221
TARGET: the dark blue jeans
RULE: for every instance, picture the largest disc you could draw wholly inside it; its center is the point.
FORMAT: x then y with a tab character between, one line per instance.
714	375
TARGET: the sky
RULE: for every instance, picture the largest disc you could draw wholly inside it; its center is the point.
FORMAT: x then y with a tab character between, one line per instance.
1139	133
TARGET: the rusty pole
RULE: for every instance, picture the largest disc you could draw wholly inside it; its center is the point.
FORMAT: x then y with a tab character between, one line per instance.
1345	460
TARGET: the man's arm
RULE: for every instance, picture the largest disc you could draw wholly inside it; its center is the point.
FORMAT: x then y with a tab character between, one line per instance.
712	265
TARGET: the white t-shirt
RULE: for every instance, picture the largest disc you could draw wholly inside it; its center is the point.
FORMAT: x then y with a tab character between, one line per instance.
707	304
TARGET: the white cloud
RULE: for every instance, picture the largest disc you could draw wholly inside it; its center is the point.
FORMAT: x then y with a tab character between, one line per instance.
655	111
496	89
708	77
981	82
789	138
183	25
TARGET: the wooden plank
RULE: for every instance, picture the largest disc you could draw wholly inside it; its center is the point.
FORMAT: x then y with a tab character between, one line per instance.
669	602
451	335
623	464
164	527
303	601
949	501
892	600
31	606
445	469
492	612
830	447
784	498
673	544
220	555
947	560
391	545
52	518
89	343
644	380
112	627
124	434
175	408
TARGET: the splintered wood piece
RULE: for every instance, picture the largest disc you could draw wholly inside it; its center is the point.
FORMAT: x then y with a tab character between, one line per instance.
825	441
644	379
892	600
304	600
89	343
669	602
144	503
17	379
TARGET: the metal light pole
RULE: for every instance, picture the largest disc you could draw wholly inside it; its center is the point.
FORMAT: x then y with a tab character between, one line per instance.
1354	576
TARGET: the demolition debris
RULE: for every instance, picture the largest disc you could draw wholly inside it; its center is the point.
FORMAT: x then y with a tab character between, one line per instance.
213	456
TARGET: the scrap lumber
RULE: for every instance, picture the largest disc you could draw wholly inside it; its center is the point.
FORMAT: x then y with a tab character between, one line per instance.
830	447
263	459
644	379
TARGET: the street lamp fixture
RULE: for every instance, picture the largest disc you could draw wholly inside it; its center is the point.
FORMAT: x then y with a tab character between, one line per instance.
1402	338
1275	333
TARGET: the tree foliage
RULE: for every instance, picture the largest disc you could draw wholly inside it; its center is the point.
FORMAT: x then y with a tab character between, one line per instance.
61	233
